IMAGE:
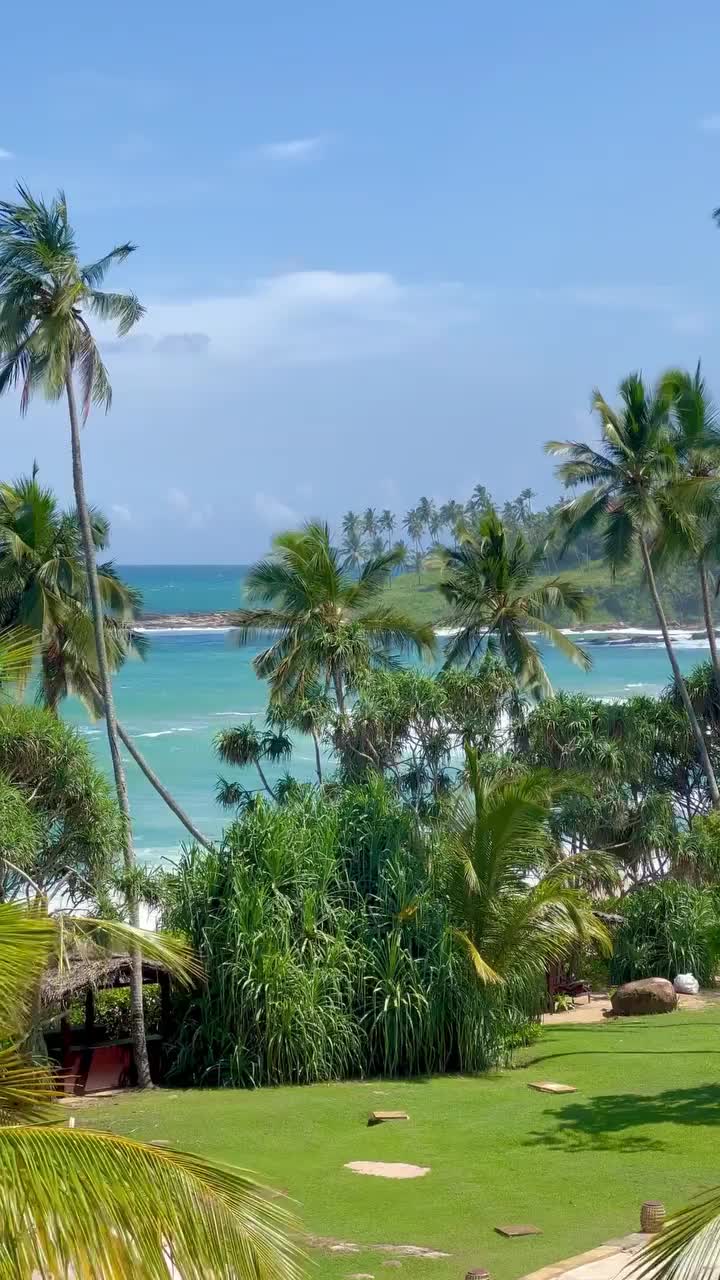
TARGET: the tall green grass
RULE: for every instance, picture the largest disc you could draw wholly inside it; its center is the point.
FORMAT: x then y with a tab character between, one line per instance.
667	929
328	953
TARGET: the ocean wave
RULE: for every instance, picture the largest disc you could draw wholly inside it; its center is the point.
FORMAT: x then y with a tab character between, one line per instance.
184	631
260	712
166	733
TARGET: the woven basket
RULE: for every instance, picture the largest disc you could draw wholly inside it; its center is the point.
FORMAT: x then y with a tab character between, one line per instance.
652	1216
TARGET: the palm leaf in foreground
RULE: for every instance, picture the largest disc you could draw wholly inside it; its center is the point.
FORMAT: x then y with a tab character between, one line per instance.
94	1205
688	1246
76	1202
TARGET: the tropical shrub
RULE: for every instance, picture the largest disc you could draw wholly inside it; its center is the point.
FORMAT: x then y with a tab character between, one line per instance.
59	820
112	1011
668	928
329	952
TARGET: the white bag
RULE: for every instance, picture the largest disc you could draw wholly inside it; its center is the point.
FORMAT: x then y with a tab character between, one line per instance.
686	984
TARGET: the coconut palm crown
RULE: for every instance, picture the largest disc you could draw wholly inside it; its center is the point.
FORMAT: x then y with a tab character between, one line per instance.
497	594
329	624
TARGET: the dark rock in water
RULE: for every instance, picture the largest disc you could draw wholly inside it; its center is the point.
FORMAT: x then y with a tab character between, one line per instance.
179	621
648	995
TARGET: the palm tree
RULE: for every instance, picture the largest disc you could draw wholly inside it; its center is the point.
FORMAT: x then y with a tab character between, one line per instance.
415	525
451	514
43	587
401	552
417	562
354	547
387	524
629	476
480	500
242	745
492	583
516	901
425	510
329	625
370	522
46	344
84	1203
351	524
310	714
524	503
435	524
691	524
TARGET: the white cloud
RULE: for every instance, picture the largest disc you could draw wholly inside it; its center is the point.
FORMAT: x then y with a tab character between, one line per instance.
293	150
325	317
121	512
5	155
178	500
710	124
278	515
302	317
194	515
666	303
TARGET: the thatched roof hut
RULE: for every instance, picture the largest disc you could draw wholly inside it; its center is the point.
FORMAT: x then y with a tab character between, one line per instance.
85	973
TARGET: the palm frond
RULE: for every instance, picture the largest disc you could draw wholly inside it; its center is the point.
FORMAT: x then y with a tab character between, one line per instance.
688	1245
75	1202
125	309
173	953
93	273
27	939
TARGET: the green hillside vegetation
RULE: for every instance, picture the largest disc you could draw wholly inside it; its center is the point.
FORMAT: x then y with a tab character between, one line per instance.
622	600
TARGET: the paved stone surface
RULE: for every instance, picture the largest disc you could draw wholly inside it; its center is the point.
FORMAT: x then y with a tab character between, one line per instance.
604	1263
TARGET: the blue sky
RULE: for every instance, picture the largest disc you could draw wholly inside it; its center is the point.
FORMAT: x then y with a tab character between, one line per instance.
385	249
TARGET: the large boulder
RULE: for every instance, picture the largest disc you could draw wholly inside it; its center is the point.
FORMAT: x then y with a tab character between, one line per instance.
649	995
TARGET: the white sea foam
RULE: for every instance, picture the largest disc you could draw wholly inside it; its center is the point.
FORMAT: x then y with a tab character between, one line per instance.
260	712
181	630
166	733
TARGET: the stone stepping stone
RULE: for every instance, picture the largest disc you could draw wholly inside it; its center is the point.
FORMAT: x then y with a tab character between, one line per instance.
551	1086
379	1117
514	1229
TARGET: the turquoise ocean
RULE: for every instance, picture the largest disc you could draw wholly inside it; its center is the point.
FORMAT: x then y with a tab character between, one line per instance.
194	682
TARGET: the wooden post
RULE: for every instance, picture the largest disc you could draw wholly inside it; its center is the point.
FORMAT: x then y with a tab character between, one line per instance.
164	985
89	1015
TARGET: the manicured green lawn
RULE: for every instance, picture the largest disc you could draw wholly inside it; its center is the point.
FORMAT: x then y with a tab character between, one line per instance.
644	1124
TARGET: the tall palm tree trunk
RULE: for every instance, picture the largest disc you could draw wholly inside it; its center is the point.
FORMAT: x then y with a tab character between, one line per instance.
161	789
137	1017
51	702
680	683
318	761
339	693
264	780
709	623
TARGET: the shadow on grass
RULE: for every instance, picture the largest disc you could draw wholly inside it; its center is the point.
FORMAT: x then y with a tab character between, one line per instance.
610	1121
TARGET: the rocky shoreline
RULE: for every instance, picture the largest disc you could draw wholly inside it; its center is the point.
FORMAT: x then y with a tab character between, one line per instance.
184	621
601	633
